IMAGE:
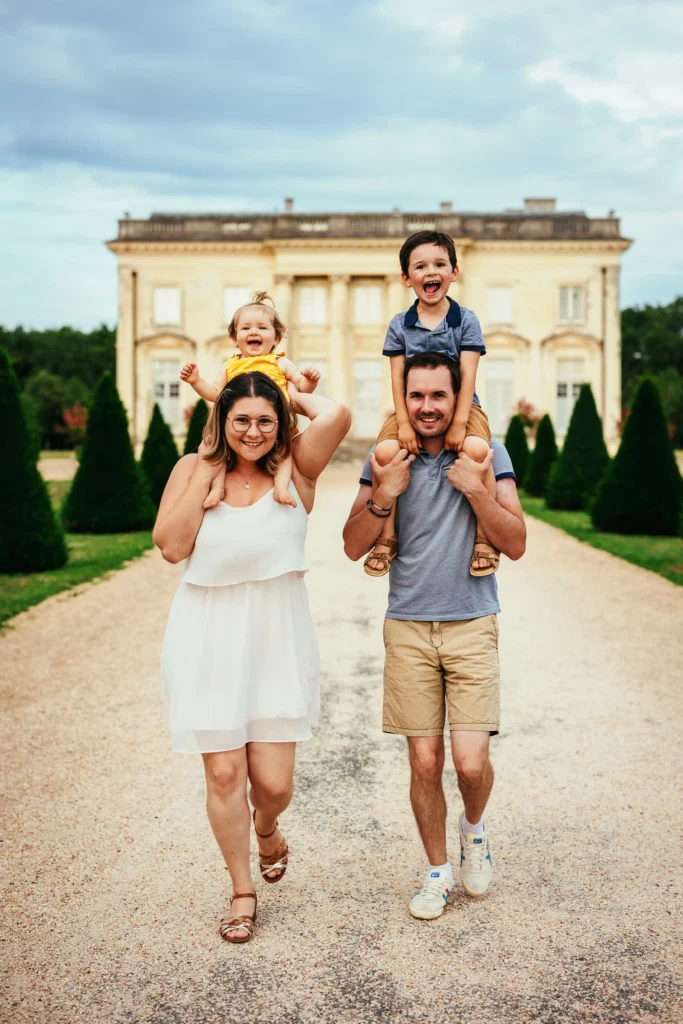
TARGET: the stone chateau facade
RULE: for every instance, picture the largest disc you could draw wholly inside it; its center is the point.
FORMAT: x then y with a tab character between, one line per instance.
543	282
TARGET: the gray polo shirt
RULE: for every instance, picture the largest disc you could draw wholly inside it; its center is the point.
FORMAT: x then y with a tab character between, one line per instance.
429	580
459	331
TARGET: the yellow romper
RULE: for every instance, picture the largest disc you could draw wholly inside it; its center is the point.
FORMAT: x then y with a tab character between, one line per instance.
263	364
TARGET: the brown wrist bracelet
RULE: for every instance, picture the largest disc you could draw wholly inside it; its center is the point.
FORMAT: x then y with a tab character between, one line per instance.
384	514
380	508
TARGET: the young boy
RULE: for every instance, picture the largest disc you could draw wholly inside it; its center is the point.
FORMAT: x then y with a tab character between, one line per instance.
434	323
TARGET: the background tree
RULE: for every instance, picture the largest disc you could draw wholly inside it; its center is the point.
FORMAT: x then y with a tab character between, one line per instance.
108	493
583	460
642	489
518	447
159	455
31	539
195	428
541	459
652	343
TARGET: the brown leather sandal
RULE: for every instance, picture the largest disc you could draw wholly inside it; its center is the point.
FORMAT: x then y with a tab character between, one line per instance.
245	923
385	557
492	556
274	861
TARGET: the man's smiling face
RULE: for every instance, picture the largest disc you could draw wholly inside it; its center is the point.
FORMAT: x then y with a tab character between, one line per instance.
430	273
430	400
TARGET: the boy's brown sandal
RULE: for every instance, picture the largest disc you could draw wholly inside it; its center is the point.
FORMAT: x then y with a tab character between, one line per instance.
385	557
491	555
230	925
274	861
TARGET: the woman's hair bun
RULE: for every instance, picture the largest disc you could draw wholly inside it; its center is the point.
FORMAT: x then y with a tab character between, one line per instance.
262	299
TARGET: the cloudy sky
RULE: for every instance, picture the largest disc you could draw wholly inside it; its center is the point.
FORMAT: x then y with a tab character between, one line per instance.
227	106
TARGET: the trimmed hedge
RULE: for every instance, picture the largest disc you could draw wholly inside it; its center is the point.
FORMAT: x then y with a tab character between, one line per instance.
31	538
159	455
195	429
641	491
575	477
518	447
108	493
541	459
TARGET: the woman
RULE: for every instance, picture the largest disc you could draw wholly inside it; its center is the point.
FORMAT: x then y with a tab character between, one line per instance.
240	658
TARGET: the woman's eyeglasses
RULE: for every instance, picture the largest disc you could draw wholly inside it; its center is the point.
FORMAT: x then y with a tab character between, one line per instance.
241	424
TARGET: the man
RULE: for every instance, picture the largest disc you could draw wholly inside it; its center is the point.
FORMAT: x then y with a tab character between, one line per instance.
441	632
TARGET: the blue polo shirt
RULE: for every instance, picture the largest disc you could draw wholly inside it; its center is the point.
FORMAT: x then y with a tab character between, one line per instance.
459	331
429	580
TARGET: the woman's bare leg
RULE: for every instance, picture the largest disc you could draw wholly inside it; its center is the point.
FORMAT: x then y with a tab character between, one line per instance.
228	811
271	774
477	448
384	453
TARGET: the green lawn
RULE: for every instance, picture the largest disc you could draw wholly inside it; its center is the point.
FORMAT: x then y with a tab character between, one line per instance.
658	554
90	556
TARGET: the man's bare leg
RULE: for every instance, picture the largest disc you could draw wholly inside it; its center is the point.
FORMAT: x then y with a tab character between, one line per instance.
475	780
426	755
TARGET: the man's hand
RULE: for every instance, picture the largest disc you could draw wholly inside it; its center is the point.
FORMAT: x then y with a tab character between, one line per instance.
468	476
393	478
455	437
407	438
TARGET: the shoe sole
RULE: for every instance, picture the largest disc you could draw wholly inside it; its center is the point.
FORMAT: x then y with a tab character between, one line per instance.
474	895
425	915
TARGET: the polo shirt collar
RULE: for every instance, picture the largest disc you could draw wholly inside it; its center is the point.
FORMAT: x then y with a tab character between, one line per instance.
453	317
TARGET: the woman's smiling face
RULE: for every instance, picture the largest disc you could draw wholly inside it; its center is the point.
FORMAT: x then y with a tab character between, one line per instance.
257	439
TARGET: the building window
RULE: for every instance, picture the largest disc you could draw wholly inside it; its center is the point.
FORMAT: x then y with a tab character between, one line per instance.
233	298
312	305
570	376
167	306
165	374
500	375
499	305
368	377
367	304
572	305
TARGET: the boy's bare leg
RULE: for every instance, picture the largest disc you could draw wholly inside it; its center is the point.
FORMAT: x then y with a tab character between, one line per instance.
281	482
384	453
477	448
217	490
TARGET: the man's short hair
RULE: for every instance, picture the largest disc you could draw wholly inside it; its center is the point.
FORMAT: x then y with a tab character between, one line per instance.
439	238
430	361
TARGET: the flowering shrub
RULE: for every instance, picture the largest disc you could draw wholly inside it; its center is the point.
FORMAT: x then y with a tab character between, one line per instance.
528	414
75	423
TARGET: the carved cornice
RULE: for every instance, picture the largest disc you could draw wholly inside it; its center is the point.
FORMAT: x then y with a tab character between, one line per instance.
149	339
554	245
136	248
571	335
505	334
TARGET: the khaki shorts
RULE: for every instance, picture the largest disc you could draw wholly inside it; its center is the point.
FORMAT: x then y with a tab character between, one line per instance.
477	426
431	665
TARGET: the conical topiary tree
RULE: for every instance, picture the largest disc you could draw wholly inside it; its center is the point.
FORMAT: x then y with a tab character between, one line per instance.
642	489
541	459
31	538
159	455
518	448
582	463
195	428
108	493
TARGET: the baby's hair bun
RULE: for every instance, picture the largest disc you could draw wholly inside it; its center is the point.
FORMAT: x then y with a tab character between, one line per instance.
262	299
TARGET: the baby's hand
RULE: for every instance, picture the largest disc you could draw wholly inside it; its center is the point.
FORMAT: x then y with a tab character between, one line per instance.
455	437
190	373
311	379
407	438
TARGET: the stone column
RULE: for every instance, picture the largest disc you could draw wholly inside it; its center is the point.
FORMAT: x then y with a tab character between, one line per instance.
339	368
611	354
125	345
398	298
283	294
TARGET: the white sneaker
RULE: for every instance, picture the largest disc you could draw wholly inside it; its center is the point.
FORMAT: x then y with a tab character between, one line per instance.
431	900
476	867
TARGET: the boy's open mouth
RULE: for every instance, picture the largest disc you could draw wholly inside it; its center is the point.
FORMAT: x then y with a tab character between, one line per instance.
432	287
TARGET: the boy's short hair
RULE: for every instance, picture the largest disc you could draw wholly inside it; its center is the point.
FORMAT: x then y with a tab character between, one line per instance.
430	361
439	238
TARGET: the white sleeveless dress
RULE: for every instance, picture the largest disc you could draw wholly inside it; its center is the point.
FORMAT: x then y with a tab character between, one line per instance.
240	656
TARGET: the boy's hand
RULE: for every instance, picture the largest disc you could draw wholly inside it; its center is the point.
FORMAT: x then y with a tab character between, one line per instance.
311	377
407	438
190	373
455	437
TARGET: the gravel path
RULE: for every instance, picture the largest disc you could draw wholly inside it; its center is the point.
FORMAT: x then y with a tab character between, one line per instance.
115	886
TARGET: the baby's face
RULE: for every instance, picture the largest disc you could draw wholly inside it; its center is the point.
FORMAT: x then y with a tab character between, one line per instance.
255	332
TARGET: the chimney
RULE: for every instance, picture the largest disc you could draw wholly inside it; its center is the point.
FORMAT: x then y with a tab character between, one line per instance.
289	205
540	205
446	207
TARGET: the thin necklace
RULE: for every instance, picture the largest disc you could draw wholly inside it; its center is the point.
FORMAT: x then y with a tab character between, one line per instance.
247	483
